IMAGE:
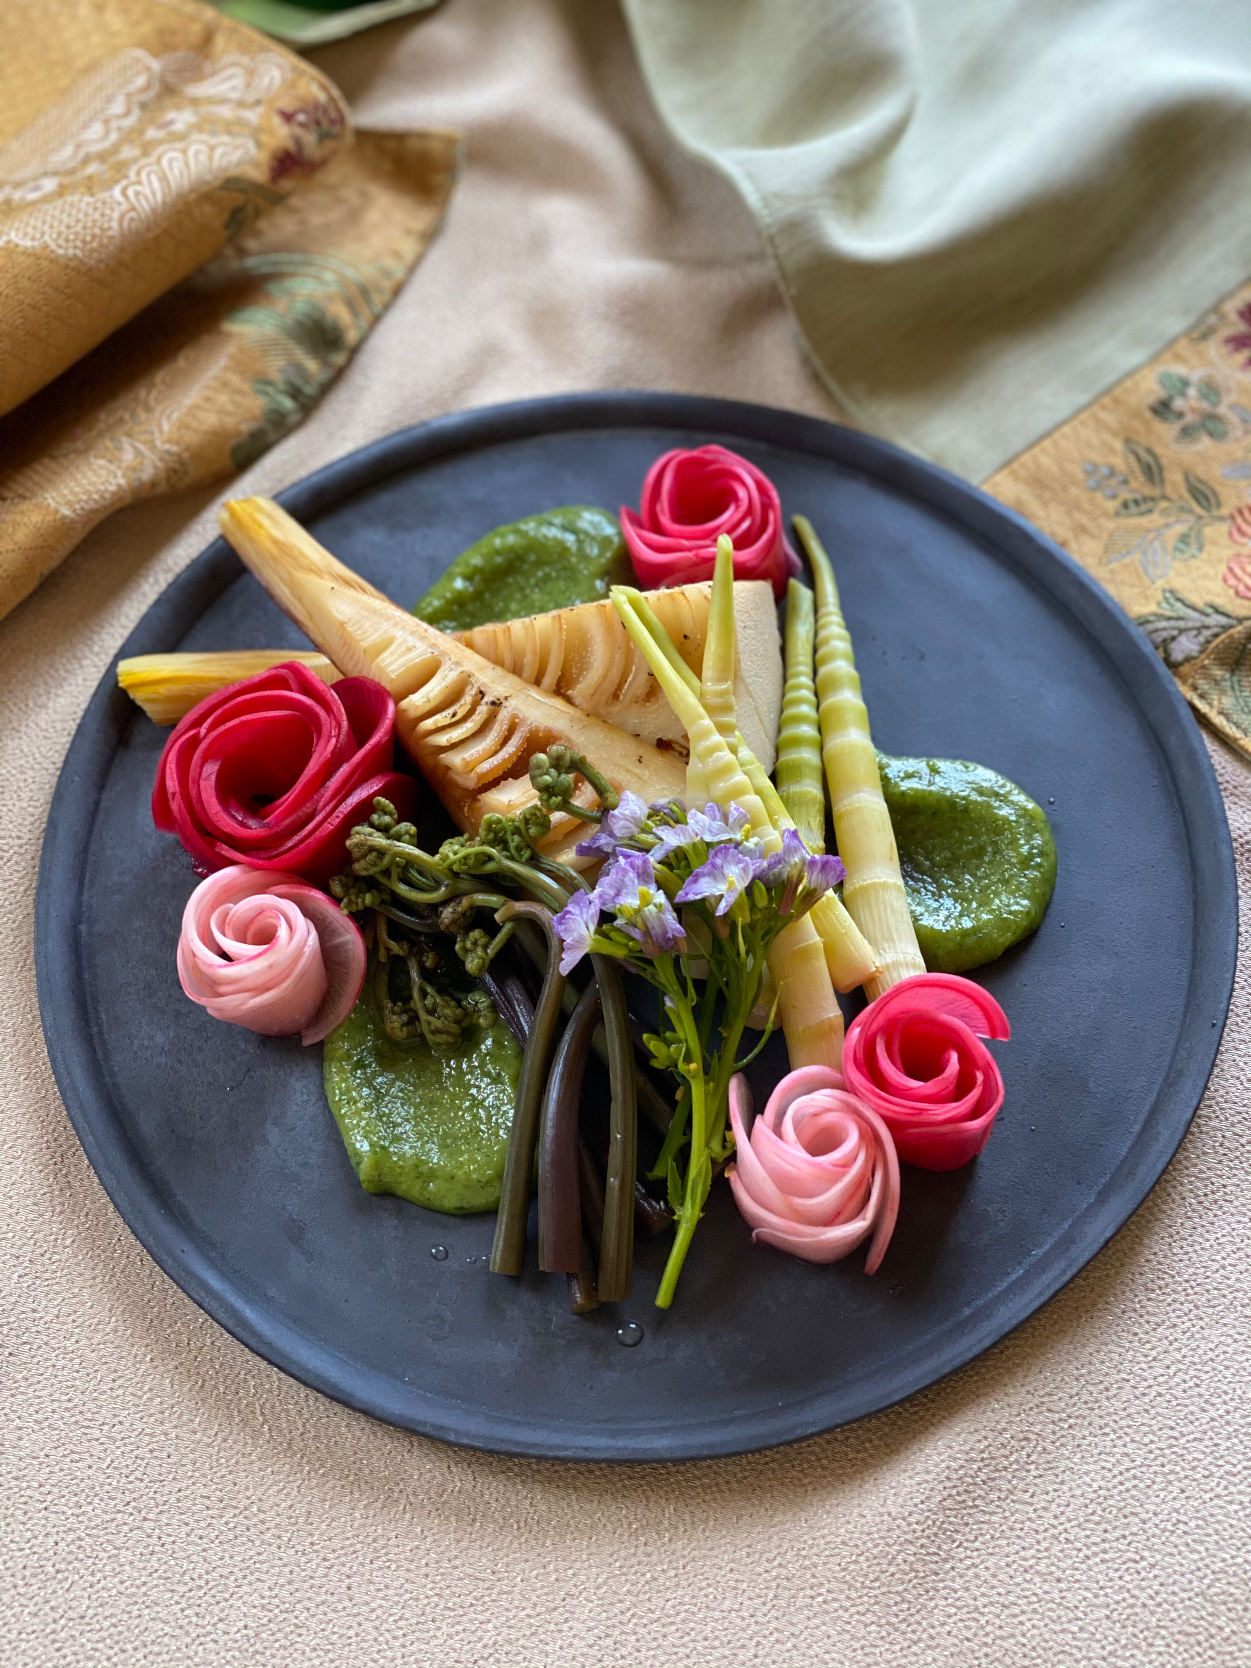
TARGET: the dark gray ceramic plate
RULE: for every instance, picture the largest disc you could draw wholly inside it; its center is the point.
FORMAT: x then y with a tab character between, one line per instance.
976	639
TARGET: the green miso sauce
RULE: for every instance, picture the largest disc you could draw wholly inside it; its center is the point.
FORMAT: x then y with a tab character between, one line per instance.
977	856
546	561
429	1125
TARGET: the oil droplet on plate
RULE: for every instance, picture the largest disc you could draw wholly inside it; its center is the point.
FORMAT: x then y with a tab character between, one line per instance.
630	1334
439	1253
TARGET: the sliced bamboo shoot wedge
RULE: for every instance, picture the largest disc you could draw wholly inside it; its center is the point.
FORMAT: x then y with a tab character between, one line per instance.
470	727
167	686
583	653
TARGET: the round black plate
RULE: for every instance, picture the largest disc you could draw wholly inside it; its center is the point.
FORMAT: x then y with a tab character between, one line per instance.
976	639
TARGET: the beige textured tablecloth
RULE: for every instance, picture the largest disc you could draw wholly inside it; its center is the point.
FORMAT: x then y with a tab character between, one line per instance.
1077	1496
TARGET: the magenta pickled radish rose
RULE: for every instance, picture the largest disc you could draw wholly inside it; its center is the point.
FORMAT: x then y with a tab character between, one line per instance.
916	1056
276	770
818	1175
690	499
267	951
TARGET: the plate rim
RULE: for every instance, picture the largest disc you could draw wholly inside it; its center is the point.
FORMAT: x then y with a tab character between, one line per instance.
1031	554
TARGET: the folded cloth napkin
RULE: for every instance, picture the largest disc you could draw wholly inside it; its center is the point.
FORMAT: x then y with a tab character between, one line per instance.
191	247
983	212
316	22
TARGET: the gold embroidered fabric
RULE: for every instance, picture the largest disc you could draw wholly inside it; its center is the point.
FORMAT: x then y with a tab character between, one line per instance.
191	246
1150	489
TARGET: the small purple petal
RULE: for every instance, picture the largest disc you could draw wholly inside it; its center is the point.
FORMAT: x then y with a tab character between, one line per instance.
575	927
673	839
825	872
619	887
792	853
600	844
656	927
713	827
738	820
629	816
616	826
724	876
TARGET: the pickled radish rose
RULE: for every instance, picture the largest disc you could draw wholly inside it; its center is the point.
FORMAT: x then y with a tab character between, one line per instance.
818	1175
276	770
916	1056
270	953
691	498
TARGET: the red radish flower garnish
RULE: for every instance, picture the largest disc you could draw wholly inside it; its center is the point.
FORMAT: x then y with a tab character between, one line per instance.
916	1055
276	770
268	952
691	498
819	1173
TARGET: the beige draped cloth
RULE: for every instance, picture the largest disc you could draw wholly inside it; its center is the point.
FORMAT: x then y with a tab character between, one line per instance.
1075	1497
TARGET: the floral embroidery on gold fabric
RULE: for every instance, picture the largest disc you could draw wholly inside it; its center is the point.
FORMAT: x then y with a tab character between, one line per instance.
1150	489
218	369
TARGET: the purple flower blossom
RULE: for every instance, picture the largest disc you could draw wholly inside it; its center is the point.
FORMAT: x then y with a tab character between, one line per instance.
790	855
616	826
673	838
825	872
630	889
626	880
575	927
725	875
708	825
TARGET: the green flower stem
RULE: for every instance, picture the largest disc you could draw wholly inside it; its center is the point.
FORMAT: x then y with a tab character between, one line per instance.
675	1136
698	1170
727	1065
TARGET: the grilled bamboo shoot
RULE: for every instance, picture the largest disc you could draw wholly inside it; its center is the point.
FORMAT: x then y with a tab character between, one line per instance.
582	653
470	727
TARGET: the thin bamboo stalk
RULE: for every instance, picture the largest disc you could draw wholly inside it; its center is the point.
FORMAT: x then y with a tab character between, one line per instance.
849	957
873	890
798	769
812	1021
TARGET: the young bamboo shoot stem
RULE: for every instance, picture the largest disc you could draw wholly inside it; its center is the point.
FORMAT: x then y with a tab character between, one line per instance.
873	890
812	1020
798	768
849	956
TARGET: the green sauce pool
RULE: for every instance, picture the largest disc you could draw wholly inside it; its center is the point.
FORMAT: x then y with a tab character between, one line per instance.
532	566
977	856
431	1126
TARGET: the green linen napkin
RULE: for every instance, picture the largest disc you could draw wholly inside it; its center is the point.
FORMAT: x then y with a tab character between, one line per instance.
317	22
983	212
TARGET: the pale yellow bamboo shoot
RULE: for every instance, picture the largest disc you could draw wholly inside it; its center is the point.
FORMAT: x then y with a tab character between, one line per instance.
470	727
873	890
812	1020
167	686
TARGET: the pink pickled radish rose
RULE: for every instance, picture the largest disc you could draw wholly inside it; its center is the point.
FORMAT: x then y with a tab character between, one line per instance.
819	1174
276	770
916	1056
690	498
270	953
